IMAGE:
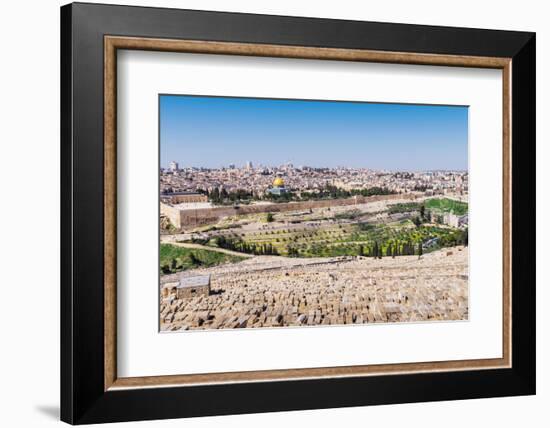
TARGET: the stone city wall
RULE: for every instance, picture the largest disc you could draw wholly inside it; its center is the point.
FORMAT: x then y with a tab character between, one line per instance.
184	198
202	216
172	213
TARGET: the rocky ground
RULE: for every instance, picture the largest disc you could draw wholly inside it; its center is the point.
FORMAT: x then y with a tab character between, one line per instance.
270	291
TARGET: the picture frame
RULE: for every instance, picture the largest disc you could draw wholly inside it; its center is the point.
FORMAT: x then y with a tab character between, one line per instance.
91	390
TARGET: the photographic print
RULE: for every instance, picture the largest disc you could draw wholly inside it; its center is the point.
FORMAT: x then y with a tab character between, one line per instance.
301	213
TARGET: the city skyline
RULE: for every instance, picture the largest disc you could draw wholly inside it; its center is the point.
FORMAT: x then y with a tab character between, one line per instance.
215	132
243	165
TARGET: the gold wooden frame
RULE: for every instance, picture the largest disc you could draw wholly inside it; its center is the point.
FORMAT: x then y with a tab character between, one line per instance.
113	43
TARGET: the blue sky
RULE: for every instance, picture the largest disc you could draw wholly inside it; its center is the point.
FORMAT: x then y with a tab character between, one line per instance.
218	131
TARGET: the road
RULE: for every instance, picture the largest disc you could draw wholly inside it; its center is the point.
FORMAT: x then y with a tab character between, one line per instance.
207	248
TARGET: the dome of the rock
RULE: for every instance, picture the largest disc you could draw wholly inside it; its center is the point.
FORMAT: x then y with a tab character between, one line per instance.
278	182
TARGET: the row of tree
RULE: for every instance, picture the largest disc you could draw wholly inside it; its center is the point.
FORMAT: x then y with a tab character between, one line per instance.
333	192
265	249
218	196
406	249
376	250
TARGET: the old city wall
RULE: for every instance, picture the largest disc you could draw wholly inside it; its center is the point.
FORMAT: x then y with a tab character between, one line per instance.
202	216
182	199
172	213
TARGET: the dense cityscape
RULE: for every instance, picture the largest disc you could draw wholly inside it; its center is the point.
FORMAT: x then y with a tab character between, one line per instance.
296	212
253	180
274	246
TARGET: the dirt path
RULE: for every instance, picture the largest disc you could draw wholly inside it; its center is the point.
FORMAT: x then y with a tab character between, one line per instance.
208	248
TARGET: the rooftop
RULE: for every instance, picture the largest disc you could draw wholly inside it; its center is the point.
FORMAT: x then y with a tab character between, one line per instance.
179	193
194	281
193	205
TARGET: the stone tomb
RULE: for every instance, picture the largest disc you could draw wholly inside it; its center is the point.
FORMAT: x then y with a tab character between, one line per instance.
193	286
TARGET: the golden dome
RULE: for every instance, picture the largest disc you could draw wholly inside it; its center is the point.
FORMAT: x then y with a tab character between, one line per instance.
278	182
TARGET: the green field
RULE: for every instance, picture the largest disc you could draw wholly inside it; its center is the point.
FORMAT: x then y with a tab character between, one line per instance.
447	205
404	207
176	259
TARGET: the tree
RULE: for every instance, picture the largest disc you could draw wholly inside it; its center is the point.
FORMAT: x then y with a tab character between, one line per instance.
194	260
423	211
215	195
417	221
420	249
292	252
269	217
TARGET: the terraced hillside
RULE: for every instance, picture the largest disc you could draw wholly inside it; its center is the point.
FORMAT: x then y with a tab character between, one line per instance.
374	230
352	239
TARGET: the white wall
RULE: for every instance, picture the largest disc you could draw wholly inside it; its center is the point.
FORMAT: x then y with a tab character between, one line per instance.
29	160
